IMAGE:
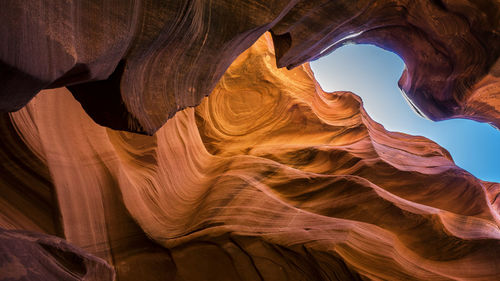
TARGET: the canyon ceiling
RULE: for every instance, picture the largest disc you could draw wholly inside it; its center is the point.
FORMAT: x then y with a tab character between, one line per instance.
189	140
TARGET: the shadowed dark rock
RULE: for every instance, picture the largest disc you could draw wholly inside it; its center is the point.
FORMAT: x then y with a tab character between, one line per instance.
269	178
174	52
32	256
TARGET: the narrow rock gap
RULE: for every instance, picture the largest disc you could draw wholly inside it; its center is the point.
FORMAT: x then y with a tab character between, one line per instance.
373	74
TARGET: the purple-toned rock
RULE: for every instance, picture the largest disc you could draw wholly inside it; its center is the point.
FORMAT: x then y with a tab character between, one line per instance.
28	255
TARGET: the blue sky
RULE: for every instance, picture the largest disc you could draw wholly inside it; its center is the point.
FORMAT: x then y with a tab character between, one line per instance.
373	73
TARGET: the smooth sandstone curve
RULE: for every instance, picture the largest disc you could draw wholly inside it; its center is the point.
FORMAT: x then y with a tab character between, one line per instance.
133	64
270	178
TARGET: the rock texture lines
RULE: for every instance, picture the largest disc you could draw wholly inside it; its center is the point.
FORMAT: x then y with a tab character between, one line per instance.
34	256
268	178
133	64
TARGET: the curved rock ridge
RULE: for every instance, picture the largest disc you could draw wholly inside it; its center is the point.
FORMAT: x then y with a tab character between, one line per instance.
270	178
451	48
34	256
132	64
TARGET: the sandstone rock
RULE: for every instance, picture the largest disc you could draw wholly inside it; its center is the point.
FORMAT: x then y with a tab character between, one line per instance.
270	178
31	256
133	64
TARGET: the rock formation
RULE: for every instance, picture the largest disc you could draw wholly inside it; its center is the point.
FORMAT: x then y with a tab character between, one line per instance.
33	256
133	64
269	178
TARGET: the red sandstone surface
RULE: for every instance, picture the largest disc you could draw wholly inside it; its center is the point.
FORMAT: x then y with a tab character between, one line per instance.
268	178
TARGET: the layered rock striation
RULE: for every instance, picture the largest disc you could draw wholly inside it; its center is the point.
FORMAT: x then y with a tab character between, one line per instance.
133	64
269	178
34	256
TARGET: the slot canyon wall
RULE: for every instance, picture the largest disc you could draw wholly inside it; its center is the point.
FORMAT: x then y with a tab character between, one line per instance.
115	166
